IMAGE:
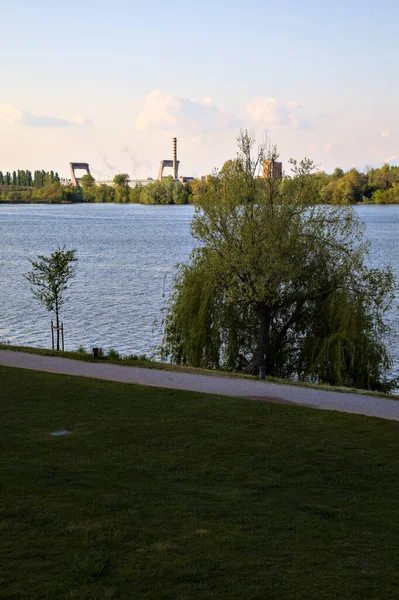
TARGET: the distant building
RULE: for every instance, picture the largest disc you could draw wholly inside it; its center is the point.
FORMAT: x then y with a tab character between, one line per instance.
272	169
185	179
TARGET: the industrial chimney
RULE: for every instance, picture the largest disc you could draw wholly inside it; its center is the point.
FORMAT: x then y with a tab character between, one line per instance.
175	163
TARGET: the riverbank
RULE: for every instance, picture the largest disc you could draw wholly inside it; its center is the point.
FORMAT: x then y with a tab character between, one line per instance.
82	201
114	358
314	397
41	202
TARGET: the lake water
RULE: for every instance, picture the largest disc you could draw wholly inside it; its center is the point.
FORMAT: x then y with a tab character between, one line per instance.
124	254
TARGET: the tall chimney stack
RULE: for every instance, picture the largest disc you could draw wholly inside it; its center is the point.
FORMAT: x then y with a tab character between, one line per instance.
175	163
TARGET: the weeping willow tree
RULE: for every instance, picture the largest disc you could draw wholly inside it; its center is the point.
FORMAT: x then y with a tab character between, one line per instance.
278	281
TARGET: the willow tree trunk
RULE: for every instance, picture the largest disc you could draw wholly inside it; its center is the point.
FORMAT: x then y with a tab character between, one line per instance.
259	357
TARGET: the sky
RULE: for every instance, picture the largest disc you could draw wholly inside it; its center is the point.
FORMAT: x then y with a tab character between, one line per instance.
110	83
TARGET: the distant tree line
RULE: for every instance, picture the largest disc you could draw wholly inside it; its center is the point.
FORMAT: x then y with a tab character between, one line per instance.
23	178
378	186
375	185
165	191
46	186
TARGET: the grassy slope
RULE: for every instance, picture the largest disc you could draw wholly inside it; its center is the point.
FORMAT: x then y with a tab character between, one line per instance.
163	494
152	364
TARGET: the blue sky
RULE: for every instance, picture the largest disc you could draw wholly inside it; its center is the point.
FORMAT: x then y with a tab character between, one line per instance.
112	82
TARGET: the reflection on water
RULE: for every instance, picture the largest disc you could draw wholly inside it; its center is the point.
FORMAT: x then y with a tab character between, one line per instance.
124	254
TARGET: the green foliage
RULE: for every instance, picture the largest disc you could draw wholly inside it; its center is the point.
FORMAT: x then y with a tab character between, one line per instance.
114	354
353	186
387	196
41	178
279	281
165	191
52	192
23	178
135	193
379	196
43	186
48	188
49	279
182	194
136	357
342	188
383	178
122	179
337	188
87	181
122	190
104	193
338	173
122	195
88	185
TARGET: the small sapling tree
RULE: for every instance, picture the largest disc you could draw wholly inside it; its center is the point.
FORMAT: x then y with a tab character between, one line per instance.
49	280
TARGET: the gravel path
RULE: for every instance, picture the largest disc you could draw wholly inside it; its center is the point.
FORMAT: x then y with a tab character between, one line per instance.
224	386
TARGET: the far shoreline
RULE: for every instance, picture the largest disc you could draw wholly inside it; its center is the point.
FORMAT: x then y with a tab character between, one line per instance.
80	202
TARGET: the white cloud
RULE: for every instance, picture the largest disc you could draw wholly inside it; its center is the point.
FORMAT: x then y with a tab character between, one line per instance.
273	113
164	111
390	159
49	121
385	134
11	115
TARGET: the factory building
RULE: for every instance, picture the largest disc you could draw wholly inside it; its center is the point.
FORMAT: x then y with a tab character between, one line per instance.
174	163
272	169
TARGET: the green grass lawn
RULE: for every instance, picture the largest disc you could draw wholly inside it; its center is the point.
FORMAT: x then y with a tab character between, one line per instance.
162	494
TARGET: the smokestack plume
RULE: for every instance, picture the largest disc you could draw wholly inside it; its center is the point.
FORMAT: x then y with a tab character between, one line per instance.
175	163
